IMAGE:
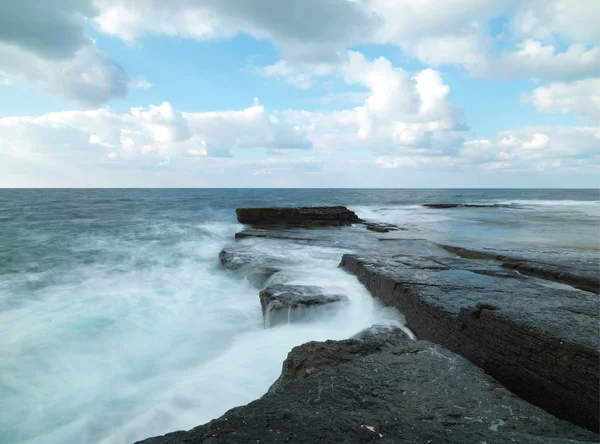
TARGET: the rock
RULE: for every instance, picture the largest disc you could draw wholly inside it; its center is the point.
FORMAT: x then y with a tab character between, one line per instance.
381	227
316	357
293	303
231	260
447	206
297	217
539	340
564	269
385	389
257	271
271	234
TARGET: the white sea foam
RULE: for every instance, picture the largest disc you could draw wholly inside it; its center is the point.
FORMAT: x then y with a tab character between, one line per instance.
160	340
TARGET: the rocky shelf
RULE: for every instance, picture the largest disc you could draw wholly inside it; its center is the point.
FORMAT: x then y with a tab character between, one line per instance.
539	341
585	276
382	387
504	354
301	216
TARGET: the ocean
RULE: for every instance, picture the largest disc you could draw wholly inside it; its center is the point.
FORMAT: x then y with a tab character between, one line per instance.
117	321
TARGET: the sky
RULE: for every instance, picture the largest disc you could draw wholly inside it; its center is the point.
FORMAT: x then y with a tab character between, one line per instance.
300	93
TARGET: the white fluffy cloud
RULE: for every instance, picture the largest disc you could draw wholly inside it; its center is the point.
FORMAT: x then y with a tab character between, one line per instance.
156	133
530	149
581	98
46	43
526	48
537	149
401	113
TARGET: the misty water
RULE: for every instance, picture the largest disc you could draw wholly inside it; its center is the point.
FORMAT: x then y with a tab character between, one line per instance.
118	323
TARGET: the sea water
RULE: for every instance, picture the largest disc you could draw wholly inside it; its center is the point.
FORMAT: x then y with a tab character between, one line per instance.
118	323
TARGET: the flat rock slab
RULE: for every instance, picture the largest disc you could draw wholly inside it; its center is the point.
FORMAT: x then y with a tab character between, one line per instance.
385	389
444	206
273	234
297	216
539	339
283	303
563	268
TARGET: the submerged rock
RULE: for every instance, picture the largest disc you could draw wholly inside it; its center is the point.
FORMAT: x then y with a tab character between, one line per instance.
293	303
539	340
456	205
271	234
297	216
381	227
257	271
382	388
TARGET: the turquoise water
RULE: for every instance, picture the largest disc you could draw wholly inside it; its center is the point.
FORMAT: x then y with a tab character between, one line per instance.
117	322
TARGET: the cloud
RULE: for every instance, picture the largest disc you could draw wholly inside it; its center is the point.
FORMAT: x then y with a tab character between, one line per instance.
45	43
547	150
546	19
534	59
581	98
529	59
89	78
303	30
140	83
537	149
152	134
301	76
51	30
400	113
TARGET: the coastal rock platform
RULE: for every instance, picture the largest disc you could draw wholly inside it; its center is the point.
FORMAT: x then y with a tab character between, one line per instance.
382	387
507	347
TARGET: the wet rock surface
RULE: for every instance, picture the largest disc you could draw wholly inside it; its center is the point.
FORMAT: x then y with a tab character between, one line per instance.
381	227
282	303
297	217
537	338
505	314
382	387
444	206
258	271
581	274
273	234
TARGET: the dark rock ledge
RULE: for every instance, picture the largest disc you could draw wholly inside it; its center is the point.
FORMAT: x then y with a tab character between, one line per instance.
264	219
283	303
298	217
540	342
382	387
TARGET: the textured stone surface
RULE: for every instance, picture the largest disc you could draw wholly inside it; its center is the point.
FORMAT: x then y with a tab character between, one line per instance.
298	216
565	269
283	303
539	339
382	387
